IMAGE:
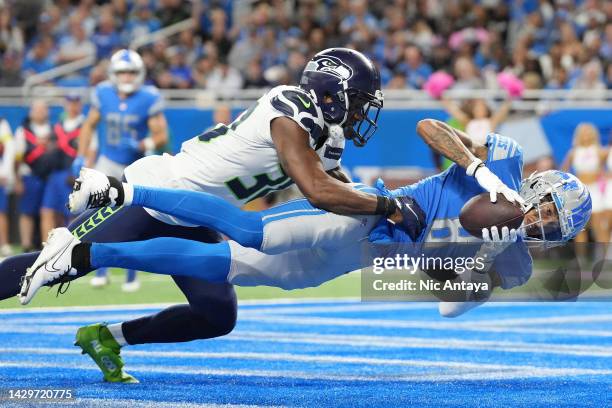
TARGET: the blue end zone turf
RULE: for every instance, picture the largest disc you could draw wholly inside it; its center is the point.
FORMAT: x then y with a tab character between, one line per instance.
333	353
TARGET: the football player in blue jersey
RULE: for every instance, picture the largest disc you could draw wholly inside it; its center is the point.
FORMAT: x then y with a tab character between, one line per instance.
130	121
296	245
292	134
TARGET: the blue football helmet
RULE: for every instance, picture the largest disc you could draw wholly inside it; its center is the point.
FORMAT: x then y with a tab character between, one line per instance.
570	197
346	86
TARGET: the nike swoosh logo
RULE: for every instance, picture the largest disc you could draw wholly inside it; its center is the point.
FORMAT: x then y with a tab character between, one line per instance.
306	105
57	257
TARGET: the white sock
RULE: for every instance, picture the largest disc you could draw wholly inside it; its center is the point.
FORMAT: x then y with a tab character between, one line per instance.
128	193
117	332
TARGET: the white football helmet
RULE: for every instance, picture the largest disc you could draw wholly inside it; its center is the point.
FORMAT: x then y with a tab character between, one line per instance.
126	61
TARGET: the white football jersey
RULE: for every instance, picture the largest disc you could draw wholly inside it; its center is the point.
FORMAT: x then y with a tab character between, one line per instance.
239	162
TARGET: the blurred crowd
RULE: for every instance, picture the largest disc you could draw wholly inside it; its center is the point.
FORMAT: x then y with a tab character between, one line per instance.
549	44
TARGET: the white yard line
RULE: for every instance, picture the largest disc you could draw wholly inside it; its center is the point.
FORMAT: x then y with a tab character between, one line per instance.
496	326
269	302
531	372
133	403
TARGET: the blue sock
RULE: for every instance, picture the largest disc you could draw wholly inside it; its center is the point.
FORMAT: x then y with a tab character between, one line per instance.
167	256
130	275
102	272
207	210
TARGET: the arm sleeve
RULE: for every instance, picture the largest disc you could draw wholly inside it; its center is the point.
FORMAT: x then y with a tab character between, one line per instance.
501	148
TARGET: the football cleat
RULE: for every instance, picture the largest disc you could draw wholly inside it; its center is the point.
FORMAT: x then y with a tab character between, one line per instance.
97	342
456	309
93	189
99	281
471	299
53	262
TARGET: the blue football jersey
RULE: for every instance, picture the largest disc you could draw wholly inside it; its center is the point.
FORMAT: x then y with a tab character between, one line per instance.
442	196
124	120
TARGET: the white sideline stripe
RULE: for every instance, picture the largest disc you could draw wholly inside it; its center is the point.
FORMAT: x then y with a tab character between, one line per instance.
382	342
547	320
403	324
379	342
307	321
534	372
261	302
122	316
148	306
82	319
303	358
396	342
133	403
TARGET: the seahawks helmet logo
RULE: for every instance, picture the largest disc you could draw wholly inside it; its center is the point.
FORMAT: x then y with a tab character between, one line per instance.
330	65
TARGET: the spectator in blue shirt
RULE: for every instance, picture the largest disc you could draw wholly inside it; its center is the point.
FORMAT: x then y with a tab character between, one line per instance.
178	69
141	22
413	67
106	38
38	59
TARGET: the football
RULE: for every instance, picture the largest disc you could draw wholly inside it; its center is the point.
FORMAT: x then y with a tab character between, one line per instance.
479	212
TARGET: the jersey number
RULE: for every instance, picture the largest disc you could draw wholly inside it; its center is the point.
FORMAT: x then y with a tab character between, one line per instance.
222	129
262	185
118	126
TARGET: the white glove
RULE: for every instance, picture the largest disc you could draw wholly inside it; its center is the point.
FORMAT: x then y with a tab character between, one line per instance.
490	182
494	244
491	235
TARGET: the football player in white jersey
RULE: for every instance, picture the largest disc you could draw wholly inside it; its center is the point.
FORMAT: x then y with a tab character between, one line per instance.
291	135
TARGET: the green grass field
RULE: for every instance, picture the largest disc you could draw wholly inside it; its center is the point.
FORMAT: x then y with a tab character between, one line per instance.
161	289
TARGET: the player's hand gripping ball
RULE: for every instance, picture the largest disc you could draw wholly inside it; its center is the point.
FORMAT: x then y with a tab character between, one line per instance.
479	212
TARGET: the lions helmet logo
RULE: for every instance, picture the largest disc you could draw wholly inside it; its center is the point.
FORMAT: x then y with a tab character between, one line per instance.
330	65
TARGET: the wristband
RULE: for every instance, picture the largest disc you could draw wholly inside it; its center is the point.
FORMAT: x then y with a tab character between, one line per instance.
385	206
475	165
148	143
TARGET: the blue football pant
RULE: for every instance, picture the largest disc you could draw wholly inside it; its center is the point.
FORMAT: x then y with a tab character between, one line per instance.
212	308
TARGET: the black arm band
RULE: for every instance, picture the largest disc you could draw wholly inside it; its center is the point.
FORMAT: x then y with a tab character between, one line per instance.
385	206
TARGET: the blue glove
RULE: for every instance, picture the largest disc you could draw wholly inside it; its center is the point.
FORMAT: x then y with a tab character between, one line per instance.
77	164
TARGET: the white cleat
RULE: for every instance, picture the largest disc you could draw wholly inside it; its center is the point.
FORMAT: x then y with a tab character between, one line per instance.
54	261
91	190
472	300
455	309
99	281
132	286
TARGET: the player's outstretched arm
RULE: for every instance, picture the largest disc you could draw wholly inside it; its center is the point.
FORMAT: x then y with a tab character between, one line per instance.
453	144
458	147
302	164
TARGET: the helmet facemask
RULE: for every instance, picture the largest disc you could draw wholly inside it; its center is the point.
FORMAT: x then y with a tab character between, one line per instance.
127	87
545	226
362	116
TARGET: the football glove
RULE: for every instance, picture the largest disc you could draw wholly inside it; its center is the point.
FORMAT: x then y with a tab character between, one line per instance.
490	182
77	164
